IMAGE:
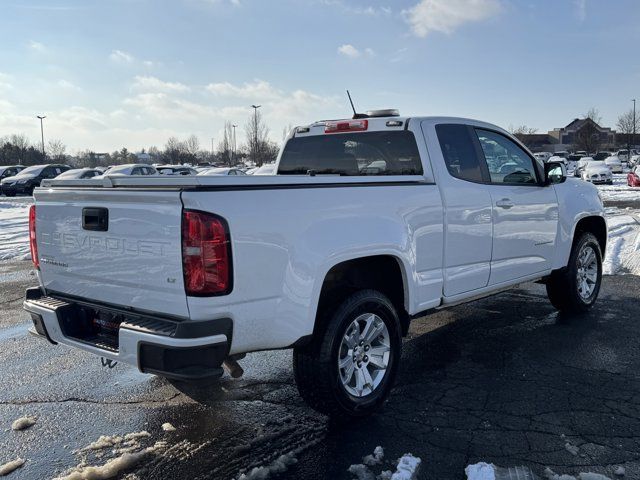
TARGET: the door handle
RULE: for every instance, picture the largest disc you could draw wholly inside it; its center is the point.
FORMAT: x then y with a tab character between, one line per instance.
504	203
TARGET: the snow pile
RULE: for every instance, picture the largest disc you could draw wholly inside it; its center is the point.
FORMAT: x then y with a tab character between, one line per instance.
14	230
127	441
23	423
376	458
480	471
167	427
9	467
279	465
111	468
623	245
406	469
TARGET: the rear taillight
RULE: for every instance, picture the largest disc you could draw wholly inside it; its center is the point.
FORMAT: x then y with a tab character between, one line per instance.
33	246
346	126
206	254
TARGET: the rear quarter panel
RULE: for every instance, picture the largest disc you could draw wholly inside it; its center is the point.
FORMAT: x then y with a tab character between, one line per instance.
285	240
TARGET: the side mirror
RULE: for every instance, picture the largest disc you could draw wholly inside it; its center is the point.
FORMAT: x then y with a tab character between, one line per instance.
554	172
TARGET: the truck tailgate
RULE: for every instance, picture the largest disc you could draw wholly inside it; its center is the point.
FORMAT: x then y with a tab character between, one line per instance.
133	260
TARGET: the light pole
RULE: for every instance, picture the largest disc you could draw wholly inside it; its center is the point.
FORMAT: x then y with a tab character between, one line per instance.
42	117
255	131
233	152
633	139
212	146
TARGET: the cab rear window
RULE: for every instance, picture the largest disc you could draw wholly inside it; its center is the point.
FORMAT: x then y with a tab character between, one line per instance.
352	154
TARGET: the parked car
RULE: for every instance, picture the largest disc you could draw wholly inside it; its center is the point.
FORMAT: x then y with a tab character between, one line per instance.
580	165
543	156
634	161
79	173
623	155
556	158
597	172
602	155
130	169
179	281
10	170
222	171
633	177
614	164
29	178
176	170
266	169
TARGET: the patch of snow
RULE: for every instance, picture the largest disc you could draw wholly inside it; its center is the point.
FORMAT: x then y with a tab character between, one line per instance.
105	441
361	472
112	468
623	245
376	458
619	191
407	468
385	475
620	471
551	475
167	427
480	471
279	465
23	423
572	449
14	229
9	467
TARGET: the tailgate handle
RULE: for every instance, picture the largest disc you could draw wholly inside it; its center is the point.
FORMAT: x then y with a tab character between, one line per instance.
95	218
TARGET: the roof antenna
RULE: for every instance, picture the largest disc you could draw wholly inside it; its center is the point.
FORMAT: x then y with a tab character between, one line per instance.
355	114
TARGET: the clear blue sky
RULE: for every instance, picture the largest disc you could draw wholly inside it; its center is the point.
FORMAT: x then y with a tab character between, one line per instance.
113	73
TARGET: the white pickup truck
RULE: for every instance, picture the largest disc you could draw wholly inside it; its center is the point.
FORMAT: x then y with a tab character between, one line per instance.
369	222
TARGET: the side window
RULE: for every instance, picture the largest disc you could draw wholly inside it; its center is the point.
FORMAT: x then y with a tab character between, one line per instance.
507	162
48	173
459	152
136	171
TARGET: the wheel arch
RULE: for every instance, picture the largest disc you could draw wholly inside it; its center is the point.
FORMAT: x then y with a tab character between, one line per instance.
595	225
383	272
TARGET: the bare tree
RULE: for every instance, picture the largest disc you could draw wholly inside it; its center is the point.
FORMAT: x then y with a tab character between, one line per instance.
626	127
56	150
226	144
173	150
20	140
256	133
191	145
587	138
522	130
594	114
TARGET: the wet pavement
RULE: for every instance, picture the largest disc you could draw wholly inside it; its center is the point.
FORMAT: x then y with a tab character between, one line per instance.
504	380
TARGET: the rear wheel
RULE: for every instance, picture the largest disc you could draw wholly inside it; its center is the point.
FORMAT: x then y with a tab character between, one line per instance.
349	368
576	288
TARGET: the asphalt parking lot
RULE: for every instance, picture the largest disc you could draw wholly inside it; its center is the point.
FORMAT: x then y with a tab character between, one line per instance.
504	380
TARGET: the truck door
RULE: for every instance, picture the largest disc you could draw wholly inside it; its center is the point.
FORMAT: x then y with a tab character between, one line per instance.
467	207
525	212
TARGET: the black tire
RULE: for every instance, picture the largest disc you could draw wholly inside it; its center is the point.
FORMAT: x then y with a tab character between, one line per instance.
563	285
315	365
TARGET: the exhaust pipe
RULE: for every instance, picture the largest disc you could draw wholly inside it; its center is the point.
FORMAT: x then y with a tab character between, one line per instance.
232	367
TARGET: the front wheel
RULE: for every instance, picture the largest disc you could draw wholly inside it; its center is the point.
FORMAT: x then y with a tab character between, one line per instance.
349	368
576	288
